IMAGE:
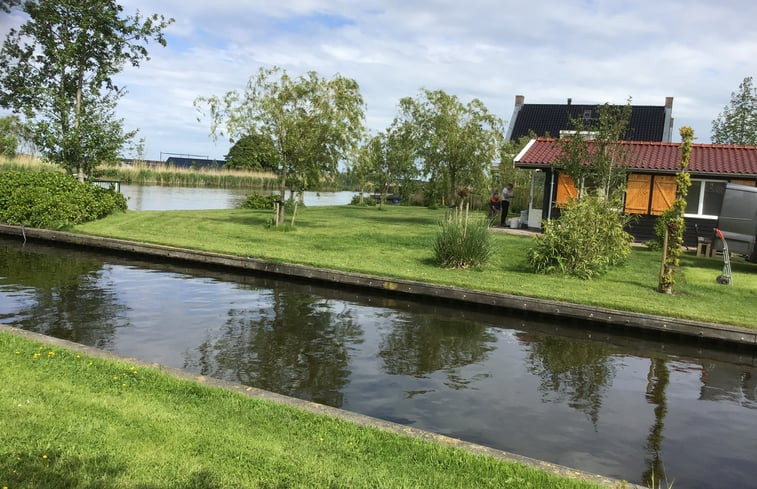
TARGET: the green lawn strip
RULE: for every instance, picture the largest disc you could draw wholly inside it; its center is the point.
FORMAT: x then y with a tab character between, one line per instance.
71	420
397	242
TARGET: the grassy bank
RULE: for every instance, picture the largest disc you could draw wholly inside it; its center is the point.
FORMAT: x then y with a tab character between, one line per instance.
70	420
396	242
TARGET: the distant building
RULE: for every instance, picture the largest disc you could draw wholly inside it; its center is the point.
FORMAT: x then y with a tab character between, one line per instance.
647	122
179	162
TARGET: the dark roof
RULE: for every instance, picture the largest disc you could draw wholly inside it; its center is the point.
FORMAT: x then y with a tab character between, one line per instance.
647	122
193	162
657	157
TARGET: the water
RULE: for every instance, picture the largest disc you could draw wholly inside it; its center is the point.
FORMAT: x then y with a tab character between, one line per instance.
622	406
159	198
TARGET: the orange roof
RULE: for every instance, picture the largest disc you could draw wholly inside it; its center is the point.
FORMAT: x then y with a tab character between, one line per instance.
657	157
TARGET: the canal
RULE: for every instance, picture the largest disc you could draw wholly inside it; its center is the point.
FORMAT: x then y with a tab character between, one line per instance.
623	406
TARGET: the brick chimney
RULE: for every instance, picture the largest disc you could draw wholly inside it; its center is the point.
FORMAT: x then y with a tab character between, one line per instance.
519	100
668	102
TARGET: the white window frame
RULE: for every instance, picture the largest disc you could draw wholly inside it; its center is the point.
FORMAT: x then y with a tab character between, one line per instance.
699	214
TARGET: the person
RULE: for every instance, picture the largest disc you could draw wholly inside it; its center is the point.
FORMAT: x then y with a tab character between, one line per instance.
494	205
507	194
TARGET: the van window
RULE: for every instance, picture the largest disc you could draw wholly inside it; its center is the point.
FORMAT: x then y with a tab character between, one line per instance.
705	198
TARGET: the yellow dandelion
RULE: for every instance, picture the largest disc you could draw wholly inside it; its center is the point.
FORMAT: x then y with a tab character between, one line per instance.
44	456
123	385
78	356
115	377
18	353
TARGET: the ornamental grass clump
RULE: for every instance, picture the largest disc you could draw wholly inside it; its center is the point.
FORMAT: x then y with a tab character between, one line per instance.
587	239
463	242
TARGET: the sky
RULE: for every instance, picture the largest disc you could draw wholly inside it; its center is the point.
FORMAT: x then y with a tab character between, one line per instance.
697	51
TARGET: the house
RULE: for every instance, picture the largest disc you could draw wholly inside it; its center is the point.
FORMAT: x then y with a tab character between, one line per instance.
194	163
646	123
651	186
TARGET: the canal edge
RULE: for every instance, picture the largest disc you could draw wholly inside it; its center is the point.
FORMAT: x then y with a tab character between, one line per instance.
324	410
683	327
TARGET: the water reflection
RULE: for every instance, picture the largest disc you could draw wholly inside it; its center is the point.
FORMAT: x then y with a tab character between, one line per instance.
60	297
421	345
292	343
616	404
576	372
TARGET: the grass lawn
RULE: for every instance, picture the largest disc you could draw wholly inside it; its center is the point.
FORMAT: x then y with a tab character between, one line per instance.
397	242
74	421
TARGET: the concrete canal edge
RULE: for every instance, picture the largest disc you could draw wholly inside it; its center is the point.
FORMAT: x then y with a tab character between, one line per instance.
324	410
597	315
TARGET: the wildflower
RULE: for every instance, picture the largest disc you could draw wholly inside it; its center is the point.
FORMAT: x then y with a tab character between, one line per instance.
123	385
51	354
18	353
44	456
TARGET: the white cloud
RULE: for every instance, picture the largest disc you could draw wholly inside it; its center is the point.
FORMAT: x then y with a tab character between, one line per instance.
593	51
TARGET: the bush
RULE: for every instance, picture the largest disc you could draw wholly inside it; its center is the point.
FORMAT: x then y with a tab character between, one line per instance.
588	238
463	243
53	200
259	201
368	200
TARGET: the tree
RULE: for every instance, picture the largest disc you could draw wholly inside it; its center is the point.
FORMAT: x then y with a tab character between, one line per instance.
673	240
457	143
388	160
737	124
592	156
8	136
314	123
253	152
57	70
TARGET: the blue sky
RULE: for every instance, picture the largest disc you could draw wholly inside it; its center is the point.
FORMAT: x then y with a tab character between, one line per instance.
591	51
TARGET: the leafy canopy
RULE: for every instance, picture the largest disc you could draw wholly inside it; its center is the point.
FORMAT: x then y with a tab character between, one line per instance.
57	70
253	152
388	160
313	122
457	143
737	124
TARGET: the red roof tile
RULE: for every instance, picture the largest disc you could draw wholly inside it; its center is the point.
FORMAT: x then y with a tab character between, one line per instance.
656	157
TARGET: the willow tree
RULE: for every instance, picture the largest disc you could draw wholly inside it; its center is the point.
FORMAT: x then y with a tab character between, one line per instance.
313	122
387	160
457	143
674	227
58	70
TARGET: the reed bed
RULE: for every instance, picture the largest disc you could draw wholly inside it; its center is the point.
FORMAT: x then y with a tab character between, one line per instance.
189	177
143	174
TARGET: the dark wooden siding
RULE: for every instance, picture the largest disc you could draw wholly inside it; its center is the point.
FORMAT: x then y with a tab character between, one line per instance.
642	229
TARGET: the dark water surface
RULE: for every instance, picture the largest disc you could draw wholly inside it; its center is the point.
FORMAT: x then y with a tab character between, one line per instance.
622	406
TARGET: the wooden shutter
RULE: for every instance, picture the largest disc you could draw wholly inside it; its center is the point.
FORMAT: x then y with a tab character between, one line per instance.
637	193
663	193
566	189
750	183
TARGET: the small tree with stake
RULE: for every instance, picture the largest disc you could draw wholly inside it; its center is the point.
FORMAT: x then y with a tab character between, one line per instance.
673	240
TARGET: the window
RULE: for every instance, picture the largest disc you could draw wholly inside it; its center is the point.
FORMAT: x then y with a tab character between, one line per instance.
705	198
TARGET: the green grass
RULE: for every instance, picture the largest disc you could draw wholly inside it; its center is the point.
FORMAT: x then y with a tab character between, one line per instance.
398	242
74	421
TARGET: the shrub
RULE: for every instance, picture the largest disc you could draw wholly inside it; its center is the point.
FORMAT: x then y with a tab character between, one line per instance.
53	200
463	242
259	201
368	200
588	238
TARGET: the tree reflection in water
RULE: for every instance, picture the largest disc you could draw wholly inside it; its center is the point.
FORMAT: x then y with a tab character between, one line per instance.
657	381
573	371
293	343
69	301
424	344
